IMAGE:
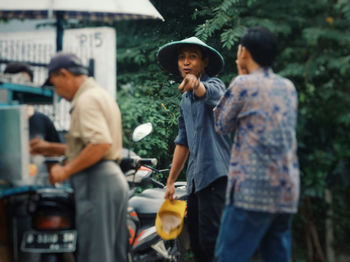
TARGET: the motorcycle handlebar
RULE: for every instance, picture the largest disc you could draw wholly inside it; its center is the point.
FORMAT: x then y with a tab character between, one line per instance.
148	161
134	163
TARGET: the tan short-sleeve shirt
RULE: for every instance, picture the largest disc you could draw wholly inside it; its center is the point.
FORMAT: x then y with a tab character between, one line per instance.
95	118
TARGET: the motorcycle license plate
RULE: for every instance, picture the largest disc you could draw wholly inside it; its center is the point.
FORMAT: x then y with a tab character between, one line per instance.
49	242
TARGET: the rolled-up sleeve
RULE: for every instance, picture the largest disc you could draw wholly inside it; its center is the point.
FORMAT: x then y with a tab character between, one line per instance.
181	138
227	110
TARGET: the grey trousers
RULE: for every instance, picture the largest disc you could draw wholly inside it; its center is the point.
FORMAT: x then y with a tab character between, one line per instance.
101	200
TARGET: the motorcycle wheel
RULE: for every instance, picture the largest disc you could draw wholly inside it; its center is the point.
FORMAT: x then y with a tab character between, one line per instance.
60	257
51	258
176	250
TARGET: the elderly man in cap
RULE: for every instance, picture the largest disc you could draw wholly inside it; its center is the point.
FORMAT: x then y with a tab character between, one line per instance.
94	145
207	152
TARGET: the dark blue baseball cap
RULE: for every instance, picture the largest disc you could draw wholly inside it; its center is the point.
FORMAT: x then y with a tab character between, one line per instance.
68	61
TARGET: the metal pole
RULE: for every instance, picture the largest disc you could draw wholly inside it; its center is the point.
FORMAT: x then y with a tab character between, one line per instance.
59	31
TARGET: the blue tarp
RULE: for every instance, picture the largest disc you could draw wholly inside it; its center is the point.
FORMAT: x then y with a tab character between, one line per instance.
16	190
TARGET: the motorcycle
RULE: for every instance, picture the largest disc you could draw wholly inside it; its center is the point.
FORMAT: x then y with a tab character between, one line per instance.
41	223
52	234
144	242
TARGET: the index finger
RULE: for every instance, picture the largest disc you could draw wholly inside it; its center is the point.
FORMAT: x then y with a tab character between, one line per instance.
183	83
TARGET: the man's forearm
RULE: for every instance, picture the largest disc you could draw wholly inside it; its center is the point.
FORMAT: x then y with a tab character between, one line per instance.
90	155
179	159
56	149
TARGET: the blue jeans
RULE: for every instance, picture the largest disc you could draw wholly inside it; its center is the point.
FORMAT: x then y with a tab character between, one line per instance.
242	232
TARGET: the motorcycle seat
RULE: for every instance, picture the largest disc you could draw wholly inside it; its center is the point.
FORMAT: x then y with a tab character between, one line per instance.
150	200
160	193
145	205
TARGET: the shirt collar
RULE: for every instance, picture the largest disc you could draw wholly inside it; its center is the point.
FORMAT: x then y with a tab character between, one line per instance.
203	77
266	71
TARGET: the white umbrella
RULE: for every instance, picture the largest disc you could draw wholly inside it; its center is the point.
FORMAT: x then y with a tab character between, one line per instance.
93	10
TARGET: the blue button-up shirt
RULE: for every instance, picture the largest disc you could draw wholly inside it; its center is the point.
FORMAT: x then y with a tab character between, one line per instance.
209	152
261	108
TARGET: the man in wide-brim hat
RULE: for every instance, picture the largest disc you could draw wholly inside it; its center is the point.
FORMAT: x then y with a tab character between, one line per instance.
207	152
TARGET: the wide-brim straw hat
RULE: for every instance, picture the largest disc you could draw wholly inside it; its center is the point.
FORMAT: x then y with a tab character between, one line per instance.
168	56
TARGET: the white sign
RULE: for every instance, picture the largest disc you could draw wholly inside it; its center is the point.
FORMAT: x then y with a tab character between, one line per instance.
98	44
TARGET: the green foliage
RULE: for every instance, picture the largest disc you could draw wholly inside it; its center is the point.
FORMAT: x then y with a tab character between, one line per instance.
150	102
231	36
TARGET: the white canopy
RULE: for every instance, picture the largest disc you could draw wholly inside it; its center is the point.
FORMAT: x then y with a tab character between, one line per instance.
85	9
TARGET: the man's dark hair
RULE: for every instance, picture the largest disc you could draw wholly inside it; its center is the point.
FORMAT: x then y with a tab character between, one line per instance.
19	67
261	44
